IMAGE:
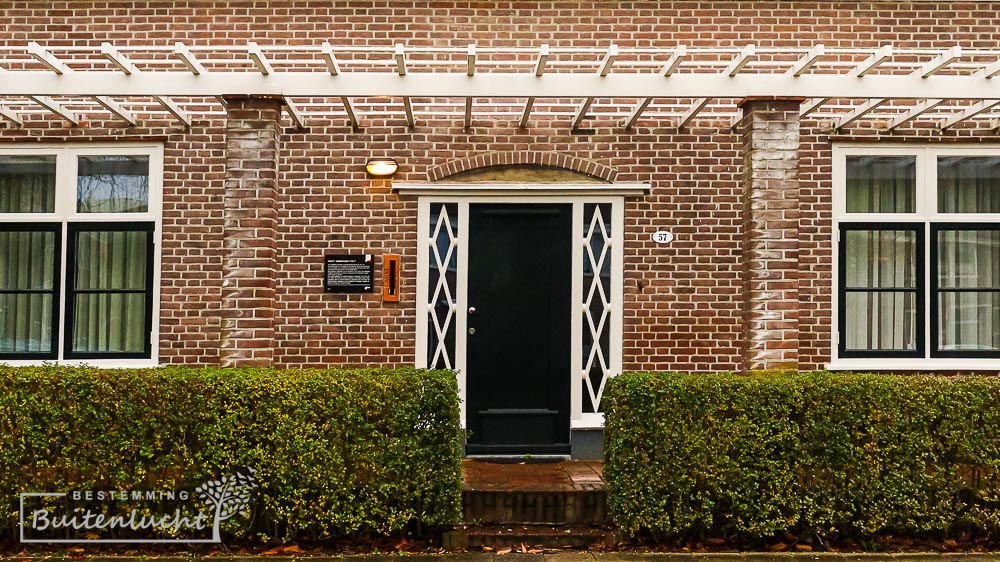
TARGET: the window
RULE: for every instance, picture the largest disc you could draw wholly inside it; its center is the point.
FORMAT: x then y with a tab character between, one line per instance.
918	248
78	253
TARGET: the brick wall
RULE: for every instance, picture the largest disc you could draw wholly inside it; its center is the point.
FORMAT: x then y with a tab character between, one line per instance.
683	301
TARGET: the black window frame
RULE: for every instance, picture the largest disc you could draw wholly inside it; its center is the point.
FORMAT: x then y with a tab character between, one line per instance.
935	351
72	228
56	291
842	290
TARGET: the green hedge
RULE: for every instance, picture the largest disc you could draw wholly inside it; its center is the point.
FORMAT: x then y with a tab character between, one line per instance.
337	452
819	454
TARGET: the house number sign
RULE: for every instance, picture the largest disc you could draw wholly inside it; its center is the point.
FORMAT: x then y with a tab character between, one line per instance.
349	273
663	237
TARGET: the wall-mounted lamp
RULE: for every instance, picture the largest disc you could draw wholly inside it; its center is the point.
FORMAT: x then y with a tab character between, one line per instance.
382	167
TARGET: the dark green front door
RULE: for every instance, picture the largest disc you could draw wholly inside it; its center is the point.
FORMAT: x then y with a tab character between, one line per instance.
518	341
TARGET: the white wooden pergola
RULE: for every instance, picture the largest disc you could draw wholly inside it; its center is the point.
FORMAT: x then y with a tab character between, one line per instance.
880	89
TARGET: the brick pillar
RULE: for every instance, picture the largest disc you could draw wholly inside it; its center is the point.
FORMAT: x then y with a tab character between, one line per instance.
770	139
249	246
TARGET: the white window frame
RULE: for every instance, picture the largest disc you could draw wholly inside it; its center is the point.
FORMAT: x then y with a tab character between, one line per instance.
577	196
65	213
926	212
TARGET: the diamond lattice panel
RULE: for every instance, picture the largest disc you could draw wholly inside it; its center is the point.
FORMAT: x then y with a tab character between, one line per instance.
443	264
596	304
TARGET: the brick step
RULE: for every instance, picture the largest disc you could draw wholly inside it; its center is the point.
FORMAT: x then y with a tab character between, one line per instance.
563	507
531	537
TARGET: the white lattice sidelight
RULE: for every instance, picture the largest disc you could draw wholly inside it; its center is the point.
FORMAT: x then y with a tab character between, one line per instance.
442	287
597	303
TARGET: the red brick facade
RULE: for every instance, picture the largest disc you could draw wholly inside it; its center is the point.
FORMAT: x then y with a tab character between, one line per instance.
695	304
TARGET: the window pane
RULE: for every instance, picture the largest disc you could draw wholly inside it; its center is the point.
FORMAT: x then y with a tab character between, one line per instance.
969	259
969	321
880	258
113	184
883	321
111	260
26	322
27	281
27	259
27	184
969	184
881	184
109	323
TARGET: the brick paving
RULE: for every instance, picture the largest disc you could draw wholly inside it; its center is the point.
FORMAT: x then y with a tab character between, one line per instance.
563	476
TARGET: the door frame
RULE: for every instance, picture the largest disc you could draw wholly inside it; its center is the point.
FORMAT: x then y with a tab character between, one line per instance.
465	194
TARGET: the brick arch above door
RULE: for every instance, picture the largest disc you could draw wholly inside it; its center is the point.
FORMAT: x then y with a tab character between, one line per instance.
487	160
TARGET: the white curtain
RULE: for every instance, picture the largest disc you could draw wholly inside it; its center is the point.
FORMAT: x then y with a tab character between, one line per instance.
109	313
27	261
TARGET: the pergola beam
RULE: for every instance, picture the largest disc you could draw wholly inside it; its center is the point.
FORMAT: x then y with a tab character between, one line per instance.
119	60
883	54
351	114
675	60
990	71
259	59
971	111
174	109
42	55
608	60
470	60
400	59
331	59
57	108
802	65
468	113
811	105
117	109
914	112
581	112
11	115
550	85
182	52
526	112
746	55
932	66
693	110
543	58
859	112
408	109
295	114
633	115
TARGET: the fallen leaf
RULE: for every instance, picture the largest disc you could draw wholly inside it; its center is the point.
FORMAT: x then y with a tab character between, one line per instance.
777	547
803	547
535	551
504	551
715	541
271	552
524	549
951	543
291	549
487	549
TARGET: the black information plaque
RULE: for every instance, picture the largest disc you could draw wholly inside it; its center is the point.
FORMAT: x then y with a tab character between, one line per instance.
349	273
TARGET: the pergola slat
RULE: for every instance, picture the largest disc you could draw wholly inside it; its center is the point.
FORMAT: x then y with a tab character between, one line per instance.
11	115
57	108
970	111
802	65
859	112
408	109
295	114
581	112
494	74
917	111
697	106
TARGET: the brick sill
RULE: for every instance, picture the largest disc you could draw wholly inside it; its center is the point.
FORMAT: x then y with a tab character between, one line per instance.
97	363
